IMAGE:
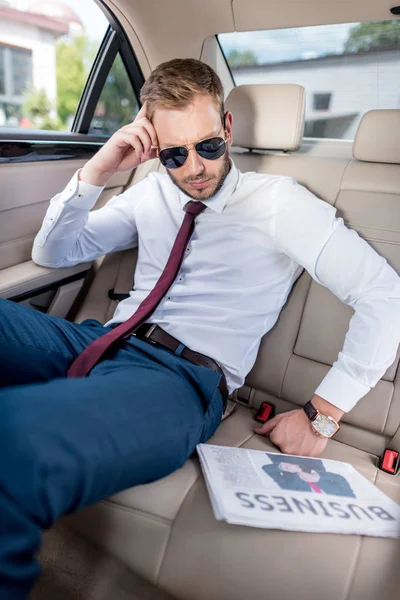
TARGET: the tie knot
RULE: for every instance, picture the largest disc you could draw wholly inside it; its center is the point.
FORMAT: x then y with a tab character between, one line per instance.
194	208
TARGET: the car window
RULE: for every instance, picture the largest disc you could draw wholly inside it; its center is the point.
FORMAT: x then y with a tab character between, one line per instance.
346	69
117	105
47	48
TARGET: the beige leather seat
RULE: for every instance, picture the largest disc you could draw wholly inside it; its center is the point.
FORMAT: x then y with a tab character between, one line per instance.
166	531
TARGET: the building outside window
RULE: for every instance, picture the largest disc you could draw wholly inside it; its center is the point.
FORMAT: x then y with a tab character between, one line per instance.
15	78
346	69
321	101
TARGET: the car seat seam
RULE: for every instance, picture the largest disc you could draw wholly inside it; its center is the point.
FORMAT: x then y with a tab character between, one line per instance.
173	522
372	239
351	581
18	239
358	191
297	335
127	509
388	409
372	227
341	182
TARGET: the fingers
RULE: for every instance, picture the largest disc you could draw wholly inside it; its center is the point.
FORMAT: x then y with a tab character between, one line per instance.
269	425
127	140
142	112
141	120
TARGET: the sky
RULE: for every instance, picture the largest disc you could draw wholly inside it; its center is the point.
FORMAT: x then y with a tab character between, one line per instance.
93	19
289	44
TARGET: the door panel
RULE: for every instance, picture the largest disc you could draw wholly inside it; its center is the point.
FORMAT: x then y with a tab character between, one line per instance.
38	160
27	189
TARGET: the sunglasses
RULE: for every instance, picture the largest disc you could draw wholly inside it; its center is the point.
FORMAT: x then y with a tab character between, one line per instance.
175	157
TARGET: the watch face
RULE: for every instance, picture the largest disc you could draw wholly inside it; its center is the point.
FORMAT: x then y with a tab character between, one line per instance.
325	425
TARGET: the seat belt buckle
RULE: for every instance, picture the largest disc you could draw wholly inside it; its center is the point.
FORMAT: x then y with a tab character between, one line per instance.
265	412
390	462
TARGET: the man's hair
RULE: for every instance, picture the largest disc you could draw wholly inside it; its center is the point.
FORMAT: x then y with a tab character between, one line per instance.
176	83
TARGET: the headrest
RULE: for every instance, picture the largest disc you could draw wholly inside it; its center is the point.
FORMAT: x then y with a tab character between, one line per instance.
267	116
378	137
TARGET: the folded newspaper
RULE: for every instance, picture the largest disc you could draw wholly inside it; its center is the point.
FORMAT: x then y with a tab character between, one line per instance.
298	493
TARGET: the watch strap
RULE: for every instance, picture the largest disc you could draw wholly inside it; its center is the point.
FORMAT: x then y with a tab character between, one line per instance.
310	411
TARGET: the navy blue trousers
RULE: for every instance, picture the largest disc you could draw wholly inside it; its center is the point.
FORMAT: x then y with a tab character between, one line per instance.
68	443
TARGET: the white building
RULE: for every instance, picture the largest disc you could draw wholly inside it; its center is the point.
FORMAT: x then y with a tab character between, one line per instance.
27	52
339	88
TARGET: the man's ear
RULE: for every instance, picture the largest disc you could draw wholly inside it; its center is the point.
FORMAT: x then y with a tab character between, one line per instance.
228	127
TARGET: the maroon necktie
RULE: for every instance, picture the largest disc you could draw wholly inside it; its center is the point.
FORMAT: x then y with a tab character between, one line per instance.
94	352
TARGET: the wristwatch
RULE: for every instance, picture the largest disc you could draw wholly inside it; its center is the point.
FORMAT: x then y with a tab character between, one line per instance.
323	425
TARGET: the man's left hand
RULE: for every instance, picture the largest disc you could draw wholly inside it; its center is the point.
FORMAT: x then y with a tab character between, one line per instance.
291	432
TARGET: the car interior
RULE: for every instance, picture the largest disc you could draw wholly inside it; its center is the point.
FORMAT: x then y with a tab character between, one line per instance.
161	540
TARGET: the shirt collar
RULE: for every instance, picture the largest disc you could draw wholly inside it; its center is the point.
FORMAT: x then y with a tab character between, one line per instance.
220	200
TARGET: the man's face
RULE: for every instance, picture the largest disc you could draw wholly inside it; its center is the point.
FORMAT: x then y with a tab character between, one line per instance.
199	178
289	467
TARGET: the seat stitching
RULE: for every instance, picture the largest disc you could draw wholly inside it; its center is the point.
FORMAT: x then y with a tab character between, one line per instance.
372	227
369	191
372	239
158	570
233	16
340	183
388	410
353	572
31	236
297	336
128	509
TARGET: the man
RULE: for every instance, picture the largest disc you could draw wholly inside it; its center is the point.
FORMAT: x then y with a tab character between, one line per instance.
306	475
82	419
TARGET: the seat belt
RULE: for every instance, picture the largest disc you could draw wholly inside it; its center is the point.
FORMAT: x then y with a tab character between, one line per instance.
390	461
125	277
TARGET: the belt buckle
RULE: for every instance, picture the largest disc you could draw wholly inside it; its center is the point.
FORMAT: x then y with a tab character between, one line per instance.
149	332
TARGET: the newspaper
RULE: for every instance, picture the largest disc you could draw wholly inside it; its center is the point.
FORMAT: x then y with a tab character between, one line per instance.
298	493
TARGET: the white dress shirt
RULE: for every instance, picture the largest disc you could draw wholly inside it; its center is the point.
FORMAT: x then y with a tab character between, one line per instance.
249	246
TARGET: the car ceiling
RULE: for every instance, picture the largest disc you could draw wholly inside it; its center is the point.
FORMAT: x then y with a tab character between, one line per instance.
163	29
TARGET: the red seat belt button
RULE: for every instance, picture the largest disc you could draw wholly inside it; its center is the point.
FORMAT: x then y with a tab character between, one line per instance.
389	461
265	412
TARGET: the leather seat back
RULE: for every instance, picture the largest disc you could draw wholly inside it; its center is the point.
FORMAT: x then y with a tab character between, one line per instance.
298	352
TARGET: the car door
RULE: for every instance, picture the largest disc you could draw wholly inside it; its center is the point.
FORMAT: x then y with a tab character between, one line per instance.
44	140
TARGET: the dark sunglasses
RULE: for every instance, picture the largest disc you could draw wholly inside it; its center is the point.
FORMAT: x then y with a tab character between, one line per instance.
175	157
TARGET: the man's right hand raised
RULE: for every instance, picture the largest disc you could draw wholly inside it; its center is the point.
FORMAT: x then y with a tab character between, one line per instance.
126	149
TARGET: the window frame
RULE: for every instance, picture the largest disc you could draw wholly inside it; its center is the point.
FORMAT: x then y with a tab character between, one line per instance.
78	142
9	95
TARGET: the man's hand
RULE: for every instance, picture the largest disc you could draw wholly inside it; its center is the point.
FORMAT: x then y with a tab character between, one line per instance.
126	149
291	432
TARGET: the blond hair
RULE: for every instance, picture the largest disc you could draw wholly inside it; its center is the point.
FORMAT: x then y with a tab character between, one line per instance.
175	84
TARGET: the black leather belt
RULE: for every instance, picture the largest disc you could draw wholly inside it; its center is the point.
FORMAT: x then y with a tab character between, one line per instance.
152	333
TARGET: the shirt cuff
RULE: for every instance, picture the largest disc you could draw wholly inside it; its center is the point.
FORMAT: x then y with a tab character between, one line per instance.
341	390
80	194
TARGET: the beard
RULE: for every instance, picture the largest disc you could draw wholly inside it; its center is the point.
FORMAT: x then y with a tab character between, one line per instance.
219	180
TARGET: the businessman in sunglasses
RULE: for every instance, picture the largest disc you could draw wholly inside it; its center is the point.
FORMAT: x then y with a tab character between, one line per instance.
87	409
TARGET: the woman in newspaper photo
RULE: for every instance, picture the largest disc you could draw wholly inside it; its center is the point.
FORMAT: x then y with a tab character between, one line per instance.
302	474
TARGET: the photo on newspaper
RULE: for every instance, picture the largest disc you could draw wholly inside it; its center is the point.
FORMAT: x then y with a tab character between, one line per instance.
298	493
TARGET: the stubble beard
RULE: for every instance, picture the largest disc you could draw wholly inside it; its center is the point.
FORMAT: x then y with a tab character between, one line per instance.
220	178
